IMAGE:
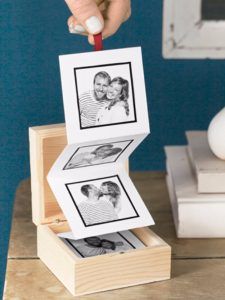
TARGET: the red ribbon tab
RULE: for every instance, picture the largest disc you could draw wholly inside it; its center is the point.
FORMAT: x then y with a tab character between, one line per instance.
98	42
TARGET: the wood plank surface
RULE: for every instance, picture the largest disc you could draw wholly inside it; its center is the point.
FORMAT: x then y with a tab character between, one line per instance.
198	265
191	279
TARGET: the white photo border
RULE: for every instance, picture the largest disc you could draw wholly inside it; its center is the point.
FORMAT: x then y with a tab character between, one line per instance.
93	59
130	142
186	35
132	88
101	223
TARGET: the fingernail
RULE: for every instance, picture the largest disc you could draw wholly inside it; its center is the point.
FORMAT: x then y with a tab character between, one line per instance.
94	25
76	29
79	28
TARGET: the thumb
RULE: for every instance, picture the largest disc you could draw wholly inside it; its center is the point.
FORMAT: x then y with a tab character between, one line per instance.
87	14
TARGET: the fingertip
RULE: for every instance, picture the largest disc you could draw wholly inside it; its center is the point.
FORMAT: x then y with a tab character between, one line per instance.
71	20
94	24
91	39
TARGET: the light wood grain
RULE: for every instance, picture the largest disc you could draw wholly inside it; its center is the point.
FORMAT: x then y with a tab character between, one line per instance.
192	279
209	169
89	275
23	231
46	143
56	256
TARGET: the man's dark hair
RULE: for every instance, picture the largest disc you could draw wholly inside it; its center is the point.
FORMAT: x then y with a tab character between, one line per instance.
85	189
102	74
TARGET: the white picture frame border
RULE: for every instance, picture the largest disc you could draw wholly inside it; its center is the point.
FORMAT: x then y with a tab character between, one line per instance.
58	186
94	59
186	35
58	168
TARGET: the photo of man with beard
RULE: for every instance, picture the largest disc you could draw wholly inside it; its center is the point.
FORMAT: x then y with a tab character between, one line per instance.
91	102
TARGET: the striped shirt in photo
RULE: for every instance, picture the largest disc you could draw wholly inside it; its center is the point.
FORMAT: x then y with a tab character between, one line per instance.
97	212
89	108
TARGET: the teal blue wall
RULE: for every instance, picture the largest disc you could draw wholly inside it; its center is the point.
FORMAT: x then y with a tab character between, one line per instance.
183	94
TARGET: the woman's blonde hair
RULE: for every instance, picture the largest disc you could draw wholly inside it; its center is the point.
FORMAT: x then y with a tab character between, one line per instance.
124	93
113	190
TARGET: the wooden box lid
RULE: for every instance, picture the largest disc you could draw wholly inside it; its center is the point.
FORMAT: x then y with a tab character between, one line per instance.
46	143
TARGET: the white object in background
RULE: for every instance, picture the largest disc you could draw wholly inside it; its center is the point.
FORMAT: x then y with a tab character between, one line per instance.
209	169
187	34
195	215
216	134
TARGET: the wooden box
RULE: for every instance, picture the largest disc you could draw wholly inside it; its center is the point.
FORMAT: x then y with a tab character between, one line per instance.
92	274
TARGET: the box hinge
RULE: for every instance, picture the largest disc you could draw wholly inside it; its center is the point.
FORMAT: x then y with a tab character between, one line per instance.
57	221
54	221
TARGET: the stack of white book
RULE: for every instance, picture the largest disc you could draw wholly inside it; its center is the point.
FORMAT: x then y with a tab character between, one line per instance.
196	185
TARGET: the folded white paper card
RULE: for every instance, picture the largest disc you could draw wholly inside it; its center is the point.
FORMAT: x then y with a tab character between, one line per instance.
104	94
106	119
98	245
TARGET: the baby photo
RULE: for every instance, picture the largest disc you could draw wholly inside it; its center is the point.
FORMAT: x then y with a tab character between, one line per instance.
103	244
105	95
101	201
96	154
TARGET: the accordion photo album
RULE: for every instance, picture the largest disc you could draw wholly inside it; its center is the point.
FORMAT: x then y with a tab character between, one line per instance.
106	118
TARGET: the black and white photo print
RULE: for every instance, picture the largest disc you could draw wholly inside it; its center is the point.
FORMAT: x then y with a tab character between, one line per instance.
101	201
105	94
96	154
106	117
103	244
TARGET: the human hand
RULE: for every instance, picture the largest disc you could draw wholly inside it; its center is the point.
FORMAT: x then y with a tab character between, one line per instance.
95	16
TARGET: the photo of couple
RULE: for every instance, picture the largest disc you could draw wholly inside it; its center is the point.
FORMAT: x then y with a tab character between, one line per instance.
100	245
101	204
101	201
109	100
95	155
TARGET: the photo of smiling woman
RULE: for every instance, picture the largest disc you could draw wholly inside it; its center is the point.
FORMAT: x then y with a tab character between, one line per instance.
116	108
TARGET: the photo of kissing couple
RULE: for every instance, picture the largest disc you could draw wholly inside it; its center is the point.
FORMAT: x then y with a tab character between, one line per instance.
101	200
108	101
102	204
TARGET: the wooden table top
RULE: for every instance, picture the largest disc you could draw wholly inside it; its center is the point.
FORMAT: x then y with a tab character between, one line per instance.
198	265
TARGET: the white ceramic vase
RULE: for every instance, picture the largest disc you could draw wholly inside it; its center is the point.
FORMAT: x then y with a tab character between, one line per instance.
216	134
